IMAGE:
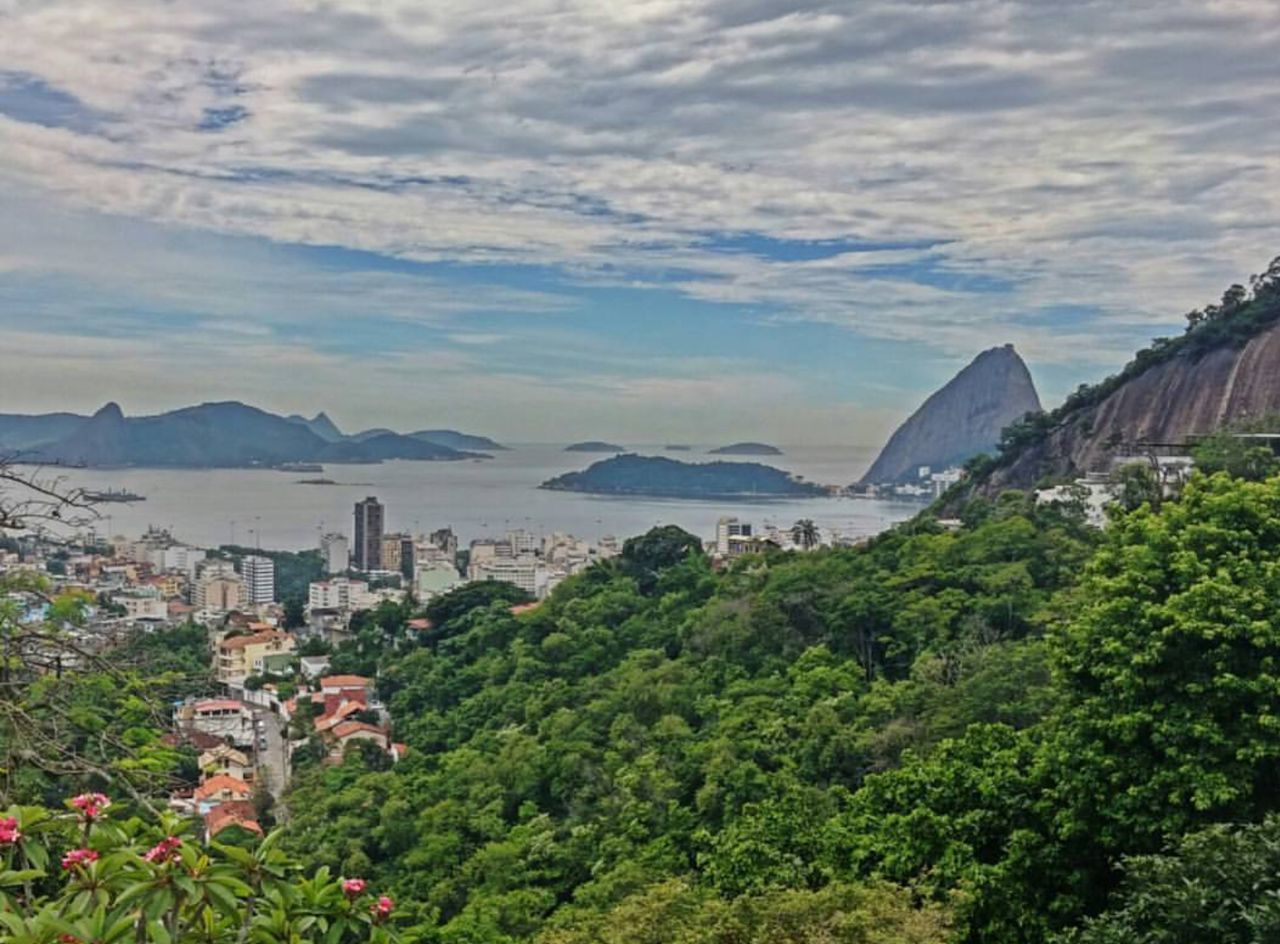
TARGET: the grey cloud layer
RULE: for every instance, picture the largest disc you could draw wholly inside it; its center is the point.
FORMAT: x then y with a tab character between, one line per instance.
1119	155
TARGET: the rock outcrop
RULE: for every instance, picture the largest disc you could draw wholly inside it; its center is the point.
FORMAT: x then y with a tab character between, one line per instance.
961	420
1172	402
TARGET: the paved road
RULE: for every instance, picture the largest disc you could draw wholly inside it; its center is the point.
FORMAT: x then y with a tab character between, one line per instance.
273	759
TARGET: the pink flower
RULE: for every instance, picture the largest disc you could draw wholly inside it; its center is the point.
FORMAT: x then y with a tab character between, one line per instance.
91	805
382	907
164	850
9	831
354	887
79	857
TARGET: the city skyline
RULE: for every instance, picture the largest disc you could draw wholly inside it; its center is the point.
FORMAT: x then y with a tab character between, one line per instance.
699	220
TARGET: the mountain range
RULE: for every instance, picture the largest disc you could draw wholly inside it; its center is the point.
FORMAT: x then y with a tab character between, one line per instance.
226	434
961	420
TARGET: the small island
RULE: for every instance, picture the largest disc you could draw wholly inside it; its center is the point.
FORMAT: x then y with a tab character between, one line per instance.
594	445
660	477
747	449
677	447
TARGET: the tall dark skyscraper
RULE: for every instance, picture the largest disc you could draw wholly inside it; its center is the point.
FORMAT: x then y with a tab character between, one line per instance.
368	536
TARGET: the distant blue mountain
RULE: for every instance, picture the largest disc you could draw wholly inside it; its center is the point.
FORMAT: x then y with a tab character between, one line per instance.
321	425
18	431
456	440
228	434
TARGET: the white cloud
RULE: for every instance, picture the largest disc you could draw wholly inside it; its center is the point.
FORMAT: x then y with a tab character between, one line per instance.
1124	156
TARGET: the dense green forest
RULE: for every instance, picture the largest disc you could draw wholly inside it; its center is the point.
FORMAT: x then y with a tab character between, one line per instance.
1012	729
1022	724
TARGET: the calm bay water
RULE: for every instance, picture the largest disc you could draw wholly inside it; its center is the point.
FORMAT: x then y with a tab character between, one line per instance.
476	498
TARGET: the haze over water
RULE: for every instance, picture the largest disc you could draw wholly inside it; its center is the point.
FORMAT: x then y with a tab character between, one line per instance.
476	498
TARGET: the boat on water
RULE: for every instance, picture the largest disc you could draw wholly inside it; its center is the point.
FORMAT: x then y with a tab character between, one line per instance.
114	495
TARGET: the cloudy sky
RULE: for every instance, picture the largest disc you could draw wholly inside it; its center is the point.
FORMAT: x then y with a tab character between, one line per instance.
641	219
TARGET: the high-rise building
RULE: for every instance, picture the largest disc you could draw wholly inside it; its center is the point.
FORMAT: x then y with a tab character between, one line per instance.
368	535
398	555
259	574
335	549
446	540
218	593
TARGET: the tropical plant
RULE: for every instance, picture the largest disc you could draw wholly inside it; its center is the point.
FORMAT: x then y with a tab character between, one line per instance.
805	533
95	873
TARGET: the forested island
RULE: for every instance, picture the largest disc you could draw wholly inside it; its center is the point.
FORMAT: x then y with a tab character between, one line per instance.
746	449
594	445
661	477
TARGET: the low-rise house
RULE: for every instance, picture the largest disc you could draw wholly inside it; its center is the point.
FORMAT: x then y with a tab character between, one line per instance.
241	656
225	760
349	731
313	666
220	717
336	684
232	813
220	789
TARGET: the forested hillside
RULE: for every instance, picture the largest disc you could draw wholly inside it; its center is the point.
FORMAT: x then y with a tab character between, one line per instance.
1017	730
655	722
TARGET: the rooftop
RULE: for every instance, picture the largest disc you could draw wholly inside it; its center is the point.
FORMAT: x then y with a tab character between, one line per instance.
257	639
219	783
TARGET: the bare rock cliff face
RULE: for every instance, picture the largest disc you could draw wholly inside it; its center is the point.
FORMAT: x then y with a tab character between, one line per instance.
1180	398
961	420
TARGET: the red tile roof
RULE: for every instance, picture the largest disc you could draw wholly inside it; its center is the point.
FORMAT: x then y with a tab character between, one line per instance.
215	785
233	813
344	681
217	704
348	728
331	718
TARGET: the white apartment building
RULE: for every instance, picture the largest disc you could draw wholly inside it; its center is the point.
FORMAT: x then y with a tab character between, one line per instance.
337	594
183	557
336	551
526	572
730	533
259	575
140	605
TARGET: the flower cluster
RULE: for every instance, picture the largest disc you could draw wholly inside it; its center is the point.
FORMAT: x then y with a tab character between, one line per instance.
79	857
383	907
91	805
354	887
164	850
9	831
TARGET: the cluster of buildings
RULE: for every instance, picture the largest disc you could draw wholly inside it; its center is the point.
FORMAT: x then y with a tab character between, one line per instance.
927	484
735	537
430	563
535	564
146	583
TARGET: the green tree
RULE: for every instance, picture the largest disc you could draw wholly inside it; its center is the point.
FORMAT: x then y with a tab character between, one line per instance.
1168	717
805	533
1219	885
1228	452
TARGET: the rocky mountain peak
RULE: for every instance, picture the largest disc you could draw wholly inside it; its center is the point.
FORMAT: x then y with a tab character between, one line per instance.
962	419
